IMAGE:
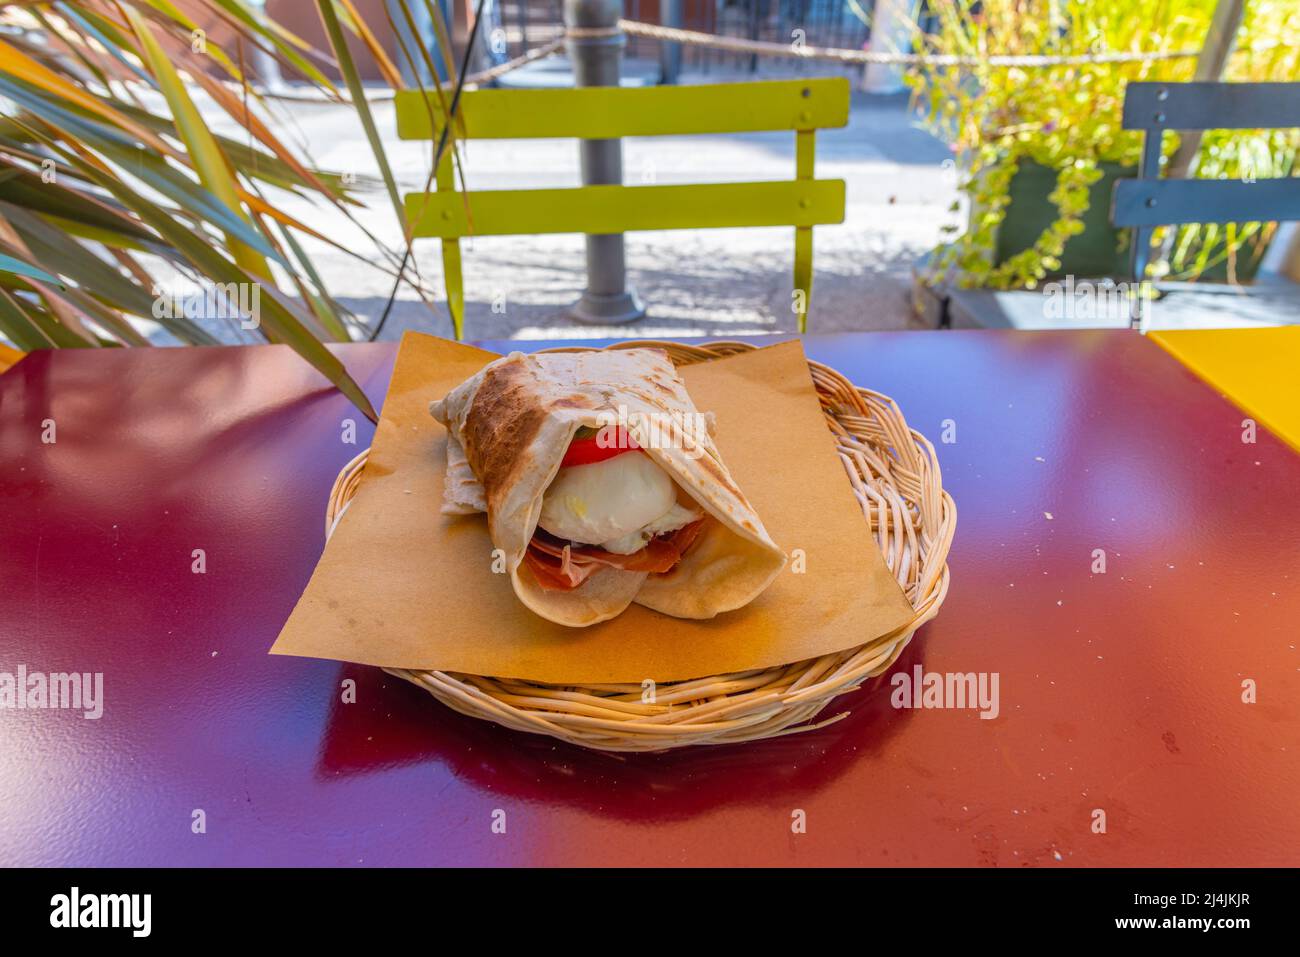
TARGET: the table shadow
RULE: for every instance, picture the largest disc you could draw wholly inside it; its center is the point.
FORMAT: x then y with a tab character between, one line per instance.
404	725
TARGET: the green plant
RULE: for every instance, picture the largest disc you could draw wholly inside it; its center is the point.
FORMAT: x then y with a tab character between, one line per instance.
1068	117
109	174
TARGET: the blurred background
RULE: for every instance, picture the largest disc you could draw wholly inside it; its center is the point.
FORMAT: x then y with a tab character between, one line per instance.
152	152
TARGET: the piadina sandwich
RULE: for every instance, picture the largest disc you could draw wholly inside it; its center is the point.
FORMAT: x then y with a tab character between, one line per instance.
602	487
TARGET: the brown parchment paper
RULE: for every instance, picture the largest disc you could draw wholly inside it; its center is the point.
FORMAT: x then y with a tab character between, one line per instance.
401	585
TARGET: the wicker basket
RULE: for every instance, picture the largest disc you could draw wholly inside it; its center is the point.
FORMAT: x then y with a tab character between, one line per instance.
895	475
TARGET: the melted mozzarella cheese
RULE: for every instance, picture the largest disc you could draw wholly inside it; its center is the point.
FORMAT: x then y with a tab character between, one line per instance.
676	517
605	501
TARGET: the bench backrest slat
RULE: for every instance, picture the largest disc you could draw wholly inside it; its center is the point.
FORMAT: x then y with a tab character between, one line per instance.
611	112
618	209
1175	202
1211	106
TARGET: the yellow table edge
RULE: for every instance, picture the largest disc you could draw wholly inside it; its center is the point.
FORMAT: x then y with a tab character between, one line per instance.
1258	370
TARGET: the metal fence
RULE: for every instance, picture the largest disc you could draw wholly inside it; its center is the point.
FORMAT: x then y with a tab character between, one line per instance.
831	23
516	26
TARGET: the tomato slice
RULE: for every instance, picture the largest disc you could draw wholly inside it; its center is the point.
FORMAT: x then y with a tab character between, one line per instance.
586	449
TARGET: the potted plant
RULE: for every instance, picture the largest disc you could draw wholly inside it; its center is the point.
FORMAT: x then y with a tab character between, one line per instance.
111	179
1040	147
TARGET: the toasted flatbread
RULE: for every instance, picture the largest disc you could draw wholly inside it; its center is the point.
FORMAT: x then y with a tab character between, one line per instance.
509	428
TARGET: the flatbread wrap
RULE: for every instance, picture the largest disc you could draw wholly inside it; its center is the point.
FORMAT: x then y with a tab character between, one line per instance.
602	486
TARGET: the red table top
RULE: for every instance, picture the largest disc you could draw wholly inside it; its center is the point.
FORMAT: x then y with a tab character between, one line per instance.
1119	691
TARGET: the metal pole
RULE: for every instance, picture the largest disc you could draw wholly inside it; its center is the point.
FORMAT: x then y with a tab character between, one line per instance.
597	61
891	32
265	67
670	54
753	33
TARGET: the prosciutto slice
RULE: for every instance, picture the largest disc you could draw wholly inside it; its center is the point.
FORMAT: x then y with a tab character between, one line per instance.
563	566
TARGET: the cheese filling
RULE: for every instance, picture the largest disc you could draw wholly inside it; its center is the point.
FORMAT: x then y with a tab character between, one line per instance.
618	504
676	517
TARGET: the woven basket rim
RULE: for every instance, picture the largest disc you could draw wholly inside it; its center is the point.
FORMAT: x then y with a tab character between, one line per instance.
896	477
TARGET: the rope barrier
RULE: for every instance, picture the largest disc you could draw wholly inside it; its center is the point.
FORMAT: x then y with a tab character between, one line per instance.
474	79
537	53
804	52
793	51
